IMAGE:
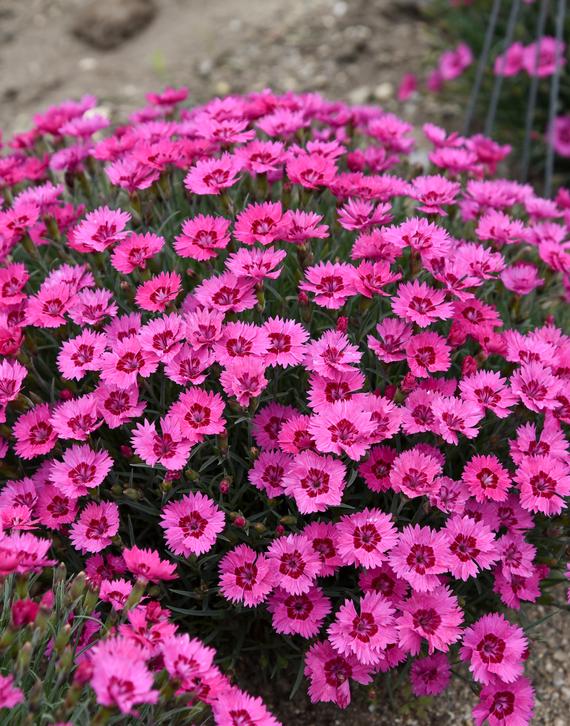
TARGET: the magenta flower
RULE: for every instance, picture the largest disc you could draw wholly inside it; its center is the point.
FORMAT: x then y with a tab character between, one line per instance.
169	447
213	176
427	353
433	192
34	433
96	526
226	293
116	592
433	616
81	354
418	303
299	614
295	563
330	673
430	676
343	427
486	478
269	472
245	379
263	223
102	228
543	57
157	293
489	390
365	632
472	547
199	413
544	482
125	362
536	387
120	675
420	555
134	251
331	283
505	705
323	538
82	469
364	538
256	264
146	564
246	576
234	705
192	524
202	237
494	649
10	695
315	482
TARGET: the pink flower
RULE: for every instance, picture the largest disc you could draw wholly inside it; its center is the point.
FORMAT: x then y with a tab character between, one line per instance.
536	387
505	705
384	581
331	283
311	170
330	673
453	63
560	136
76	419
510	62
162	337
376	469
294	435
118	405
434	191
544	482
101	229
263	223
418	303
226	293
295	563
408	86
190	662
427	353
434	616
91	307
115	592
430	676
48	308
158	292
81	354
246	576
133	252
302	226
244	378
82	469
323	538
521	278
331	353
10	695
261	157
299	614
454	416
472	547
212	176
267	423
199	413
366	633
420	555
13	279
364	538
494	649
315	482
192	524
287	340
543	57
394	334
489	390
233	706
256	264
189	365
269	472
373	277
54	508
240	340
358	214
127	360
486	478
12	374
169	447
414	473
34	433
343	427
202	237
120	675
146	563
96	526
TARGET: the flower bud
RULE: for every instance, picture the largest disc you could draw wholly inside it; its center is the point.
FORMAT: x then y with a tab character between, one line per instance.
24	612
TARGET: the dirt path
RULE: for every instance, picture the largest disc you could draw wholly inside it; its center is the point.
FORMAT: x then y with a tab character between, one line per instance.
356	49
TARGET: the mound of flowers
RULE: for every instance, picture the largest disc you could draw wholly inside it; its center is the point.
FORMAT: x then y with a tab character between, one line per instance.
271	386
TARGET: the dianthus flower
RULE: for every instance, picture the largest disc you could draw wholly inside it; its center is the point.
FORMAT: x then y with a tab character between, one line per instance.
536	387
269	472
244	378
192	524
299	614
157	293
434	191
82	469
332	352
146	563
330	673
420	555
365	632
34	433
315	482
199	413
323	538
81	354
212	176
434	616
471	547
240	340
364	538
101	229
133	252
343	427
96	526
455	416
10	695
256	264
331	282
430	676
202	237
263	223
427	353
489	390
502	704
170	447
127	360
226	293
246	576
414	473
116	592
494	648
233	706
544	482
76	419
295	562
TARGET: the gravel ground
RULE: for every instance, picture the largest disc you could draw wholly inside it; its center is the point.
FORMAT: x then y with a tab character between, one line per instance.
353	49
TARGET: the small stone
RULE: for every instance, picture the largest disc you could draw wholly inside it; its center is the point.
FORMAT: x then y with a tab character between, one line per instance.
87	64
205	67
359	95
222	88
384	91
560	656
106	24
